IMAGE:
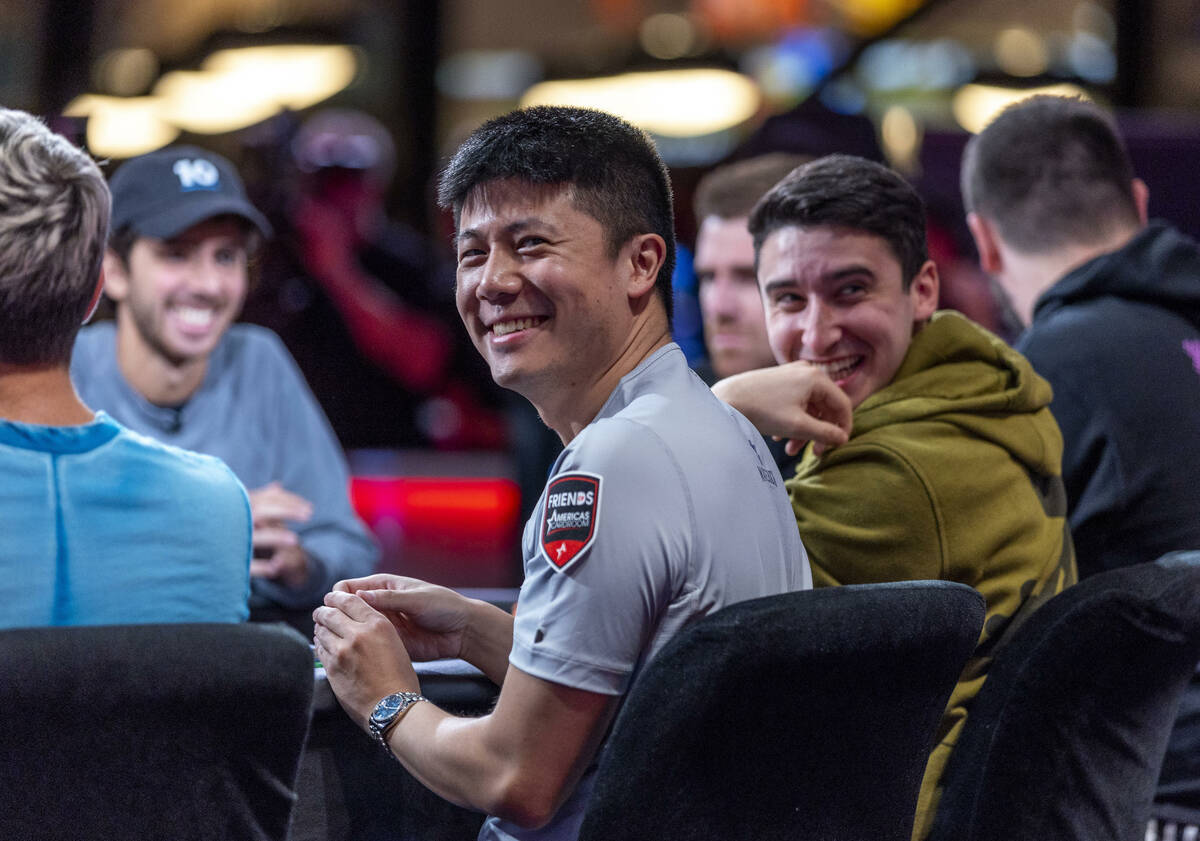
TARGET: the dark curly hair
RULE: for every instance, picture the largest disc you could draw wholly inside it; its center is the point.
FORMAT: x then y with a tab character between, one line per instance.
844	191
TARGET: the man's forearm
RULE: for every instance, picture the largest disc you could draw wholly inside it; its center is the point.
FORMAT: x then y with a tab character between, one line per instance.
519	762
488	640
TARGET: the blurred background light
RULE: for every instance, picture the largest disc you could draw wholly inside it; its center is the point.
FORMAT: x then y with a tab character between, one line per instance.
974	106
670	103
295	76
871	17
668	36
897	64
1021	52
126	72
121	127
484	75
1091	58
207	103
901	137
788	70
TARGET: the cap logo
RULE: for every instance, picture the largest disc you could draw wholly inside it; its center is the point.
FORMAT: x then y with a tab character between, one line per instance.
196	174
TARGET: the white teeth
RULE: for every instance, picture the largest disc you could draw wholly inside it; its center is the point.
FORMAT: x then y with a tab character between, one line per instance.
838	369
194	316
503	328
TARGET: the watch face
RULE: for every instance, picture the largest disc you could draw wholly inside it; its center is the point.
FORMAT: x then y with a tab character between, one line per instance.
386	708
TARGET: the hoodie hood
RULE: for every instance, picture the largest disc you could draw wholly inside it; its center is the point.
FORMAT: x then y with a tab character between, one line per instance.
958	373
1158	266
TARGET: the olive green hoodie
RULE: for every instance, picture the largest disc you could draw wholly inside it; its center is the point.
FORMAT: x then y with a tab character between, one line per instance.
952	472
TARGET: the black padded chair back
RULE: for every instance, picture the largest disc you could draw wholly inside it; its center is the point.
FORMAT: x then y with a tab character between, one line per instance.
185	731
801	716
1066	738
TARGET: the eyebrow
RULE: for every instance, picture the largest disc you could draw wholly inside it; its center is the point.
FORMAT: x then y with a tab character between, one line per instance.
510	229
855	270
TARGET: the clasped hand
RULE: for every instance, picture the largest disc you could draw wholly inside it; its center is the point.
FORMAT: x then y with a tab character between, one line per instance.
371	629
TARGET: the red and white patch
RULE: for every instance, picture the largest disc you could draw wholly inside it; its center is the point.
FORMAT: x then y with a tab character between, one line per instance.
569	518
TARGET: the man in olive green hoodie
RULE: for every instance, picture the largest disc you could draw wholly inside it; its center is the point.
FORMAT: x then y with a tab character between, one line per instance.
952	467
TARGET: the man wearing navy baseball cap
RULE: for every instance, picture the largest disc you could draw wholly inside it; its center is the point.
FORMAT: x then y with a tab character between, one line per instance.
175	366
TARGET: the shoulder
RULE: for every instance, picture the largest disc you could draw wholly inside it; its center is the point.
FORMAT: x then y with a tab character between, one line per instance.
148	458
618	445
93	345
250	341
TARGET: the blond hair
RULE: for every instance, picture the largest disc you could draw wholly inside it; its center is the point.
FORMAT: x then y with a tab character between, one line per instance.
54	212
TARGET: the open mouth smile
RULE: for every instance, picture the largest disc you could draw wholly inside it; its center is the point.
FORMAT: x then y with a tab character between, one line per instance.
503	328
839	369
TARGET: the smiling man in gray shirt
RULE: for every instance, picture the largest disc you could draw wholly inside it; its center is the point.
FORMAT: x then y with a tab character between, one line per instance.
664	505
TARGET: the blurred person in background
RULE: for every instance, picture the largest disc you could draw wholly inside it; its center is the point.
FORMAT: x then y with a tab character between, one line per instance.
1112	302
731	308
174	366
365	304
101	525
735	329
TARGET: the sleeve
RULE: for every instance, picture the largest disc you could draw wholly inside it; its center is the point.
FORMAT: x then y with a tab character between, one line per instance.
866	514
602	571
311	464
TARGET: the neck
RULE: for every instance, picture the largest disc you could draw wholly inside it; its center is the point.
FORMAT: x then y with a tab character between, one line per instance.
1027	276
41	395
568	410
158	379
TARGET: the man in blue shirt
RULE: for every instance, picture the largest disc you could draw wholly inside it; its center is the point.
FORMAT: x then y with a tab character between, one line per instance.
101	525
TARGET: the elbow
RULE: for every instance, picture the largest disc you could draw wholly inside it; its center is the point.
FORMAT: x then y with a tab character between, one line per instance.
530	804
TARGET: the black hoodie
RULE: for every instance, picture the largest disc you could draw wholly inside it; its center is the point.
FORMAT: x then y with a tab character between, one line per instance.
1119	340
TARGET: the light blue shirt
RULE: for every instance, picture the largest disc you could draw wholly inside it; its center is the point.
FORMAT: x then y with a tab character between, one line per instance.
103	526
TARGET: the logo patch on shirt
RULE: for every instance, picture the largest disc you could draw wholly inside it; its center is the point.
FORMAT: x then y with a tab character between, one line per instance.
570	517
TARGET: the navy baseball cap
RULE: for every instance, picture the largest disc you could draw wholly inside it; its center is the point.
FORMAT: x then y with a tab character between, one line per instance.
164	193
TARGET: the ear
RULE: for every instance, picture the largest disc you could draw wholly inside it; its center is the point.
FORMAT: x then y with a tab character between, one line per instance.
986	243
91	310
1141	199
114	276
923	291
647	253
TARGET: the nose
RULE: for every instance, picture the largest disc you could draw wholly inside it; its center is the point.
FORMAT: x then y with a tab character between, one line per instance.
718	301
501	277
206	277
821	330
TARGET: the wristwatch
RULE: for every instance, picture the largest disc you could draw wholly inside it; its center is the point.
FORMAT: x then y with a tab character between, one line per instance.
387	714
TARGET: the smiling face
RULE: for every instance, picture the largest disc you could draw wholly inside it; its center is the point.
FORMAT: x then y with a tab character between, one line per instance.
735	333
835	297
541	295
177	297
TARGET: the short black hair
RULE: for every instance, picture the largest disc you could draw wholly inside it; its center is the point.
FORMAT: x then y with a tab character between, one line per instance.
612	169
1050	171
844	191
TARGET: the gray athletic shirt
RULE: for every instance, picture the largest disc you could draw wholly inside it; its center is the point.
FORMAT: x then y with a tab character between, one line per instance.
666	507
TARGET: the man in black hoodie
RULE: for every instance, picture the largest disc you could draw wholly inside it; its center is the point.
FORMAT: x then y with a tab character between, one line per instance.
1113	305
